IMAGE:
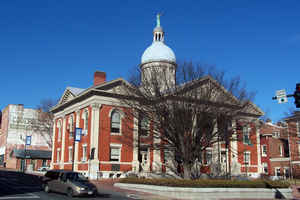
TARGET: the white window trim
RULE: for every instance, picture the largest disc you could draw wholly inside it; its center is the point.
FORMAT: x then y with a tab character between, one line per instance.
297	127
208	151
85	129
84	156
148	130
70	157
58	156
247	152
59	126
275	171
298	150
69	125
248	133
264	154
264	164
121	119
114	145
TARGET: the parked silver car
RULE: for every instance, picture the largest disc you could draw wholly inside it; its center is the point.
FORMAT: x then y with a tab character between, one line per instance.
69	182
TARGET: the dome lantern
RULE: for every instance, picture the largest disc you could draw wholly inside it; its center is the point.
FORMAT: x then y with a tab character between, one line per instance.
158	60
158	51
158	32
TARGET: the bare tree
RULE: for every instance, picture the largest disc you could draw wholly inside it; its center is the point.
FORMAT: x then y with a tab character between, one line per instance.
184	113
43	123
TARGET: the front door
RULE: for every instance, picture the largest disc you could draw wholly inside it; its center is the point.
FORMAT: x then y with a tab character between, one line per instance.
145	160
22	165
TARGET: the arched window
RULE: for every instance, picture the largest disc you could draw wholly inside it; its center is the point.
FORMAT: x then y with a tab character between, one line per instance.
71	126
86	119
59	130
115	122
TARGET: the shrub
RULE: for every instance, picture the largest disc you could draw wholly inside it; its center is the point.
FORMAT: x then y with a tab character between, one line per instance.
200	183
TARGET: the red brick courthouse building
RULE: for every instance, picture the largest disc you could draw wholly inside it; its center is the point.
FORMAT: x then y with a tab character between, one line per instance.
108	140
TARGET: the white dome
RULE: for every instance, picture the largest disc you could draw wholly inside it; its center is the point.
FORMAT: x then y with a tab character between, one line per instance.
158	51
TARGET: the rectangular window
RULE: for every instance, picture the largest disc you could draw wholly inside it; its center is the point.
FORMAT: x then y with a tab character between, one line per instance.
70	154
84	152
286	172
223	156
277	171
208	157
58	155
85	122
265	167
44	163
264	150
144	127
247	158
298	128
167	156
246	135
280	150
71	133
59	133
299	150
115	154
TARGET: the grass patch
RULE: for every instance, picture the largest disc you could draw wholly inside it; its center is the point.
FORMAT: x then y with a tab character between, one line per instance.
209	183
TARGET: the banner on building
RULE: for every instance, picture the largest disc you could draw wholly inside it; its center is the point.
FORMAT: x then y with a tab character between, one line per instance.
78	134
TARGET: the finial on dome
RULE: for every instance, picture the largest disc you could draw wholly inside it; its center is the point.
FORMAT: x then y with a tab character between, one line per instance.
158	19
158	31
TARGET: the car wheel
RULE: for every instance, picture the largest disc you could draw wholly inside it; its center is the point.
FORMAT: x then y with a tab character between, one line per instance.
46	188
70	192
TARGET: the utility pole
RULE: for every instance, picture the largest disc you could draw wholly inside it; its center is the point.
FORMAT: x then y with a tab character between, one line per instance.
282	98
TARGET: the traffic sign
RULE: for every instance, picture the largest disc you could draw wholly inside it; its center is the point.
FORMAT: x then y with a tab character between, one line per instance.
281	96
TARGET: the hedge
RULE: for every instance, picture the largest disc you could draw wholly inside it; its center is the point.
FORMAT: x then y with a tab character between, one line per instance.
200	183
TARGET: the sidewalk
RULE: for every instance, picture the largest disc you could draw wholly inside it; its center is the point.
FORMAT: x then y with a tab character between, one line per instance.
108	184
296	192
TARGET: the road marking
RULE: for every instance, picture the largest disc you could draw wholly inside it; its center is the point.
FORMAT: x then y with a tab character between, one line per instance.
133	196
33	196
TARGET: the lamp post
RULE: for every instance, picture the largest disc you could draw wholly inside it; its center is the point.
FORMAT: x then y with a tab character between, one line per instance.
27	142
77	138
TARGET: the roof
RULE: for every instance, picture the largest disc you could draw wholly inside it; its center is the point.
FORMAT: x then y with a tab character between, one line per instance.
70	93
33	154
158	51
75	91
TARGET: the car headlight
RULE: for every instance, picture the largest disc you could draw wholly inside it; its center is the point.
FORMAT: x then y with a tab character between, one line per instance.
78	189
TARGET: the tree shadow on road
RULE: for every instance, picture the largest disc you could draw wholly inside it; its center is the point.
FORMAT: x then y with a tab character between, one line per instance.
15	183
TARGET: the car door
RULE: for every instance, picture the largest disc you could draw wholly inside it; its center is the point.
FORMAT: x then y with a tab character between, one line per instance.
63	183
53	183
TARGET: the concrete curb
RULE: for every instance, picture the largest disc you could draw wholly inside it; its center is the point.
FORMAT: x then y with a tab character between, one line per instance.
209	193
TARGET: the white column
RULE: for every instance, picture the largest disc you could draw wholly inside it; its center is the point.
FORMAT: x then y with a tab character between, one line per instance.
76	143
94	138
62	160
235	166
53	142
259	165
157	165
135	161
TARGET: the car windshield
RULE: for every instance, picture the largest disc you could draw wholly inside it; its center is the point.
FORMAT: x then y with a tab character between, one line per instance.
76	177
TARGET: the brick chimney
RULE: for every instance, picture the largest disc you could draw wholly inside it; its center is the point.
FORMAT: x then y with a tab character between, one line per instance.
99	78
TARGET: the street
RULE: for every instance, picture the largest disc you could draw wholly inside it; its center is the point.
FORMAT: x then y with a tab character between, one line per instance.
17	185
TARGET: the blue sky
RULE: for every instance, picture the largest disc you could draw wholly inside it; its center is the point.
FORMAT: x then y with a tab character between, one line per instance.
46	46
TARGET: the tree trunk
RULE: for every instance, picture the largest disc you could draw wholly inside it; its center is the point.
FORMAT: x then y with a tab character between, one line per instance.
186	171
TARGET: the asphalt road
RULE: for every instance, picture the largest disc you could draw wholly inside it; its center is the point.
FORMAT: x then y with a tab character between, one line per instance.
20	186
